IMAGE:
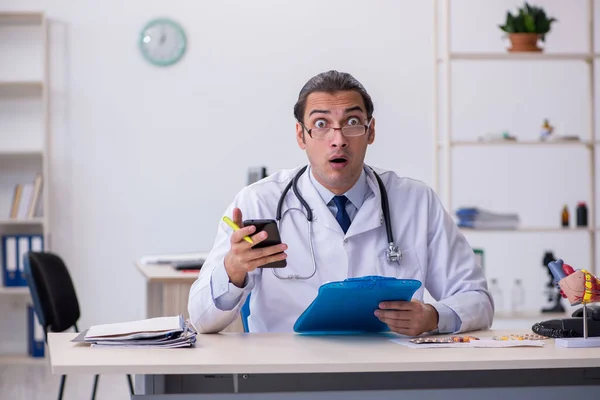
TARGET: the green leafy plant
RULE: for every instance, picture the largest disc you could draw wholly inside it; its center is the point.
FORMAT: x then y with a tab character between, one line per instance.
529	19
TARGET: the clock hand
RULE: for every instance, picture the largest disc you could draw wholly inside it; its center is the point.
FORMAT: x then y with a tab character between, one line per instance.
163	37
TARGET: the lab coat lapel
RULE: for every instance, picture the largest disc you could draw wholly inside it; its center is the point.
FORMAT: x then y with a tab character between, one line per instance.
369	216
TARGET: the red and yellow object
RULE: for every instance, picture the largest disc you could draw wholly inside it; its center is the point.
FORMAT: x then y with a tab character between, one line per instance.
592	288
580	287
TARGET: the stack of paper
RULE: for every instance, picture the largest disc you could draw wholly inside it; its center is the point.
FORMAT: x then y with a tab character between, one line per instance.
173	258
162	332
477	218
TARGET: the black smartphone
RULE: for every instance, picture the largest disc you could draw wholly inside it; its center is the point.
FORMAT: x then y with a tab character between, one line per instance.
273	238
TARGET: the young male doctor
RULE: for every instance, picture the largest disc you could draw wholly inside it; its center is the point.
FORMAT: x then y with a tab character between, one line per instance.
348	236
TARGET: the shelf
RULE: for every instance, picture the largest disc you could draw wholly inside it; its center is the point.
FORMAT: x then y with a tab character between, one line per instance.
13	88
17	290
22	222
24	91
21	153
21	18
446	83
569	143
518	57
17	359
21	84
531	230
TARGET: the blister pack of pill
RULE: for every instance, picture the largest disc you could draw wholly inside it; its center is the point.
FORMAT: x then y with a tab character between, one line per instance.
527	336
443	340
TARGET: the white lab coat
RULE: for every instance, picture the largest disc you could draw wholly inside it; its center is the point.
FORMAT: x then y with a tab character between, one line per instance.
434	251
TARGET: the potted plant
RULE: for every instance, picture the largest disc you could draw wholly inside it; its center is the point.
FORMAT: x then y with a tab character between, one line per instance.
525	28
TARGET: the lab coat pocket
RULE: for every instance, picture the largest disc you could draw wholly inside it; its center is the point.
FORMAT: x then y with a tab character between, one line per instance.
409	268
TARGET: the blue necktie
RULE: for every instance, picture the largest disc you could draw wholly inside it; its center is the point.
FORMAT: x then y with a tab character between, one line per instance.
342	215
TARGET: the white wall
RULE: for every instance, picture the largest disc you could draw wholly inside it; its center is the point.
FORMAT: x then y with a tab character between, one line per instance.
146	159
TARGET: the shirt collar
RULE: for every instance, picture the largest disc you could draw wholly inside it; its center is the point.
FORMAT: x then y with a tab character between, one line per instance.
356	194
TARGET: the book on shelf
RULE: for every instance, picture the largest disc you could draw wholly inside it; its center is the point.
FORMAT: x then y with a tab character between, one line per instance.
478	218
27	200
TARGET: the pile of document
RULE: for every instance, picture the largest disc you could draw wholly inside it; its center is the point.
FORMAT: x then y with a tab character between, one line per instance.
162	332
477	218
173	258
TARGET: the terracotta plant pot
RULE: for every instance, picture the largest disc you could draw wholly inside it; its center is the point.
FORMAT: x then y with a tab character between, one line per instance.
521	42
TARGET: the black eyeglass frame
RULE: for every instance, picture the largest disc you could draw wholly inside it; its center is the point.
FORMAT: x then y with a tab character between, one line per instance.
366	128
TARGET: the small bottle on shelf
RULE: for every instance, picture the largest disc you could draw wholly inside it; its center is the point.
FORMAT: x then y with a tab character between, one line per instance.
565	216
496	293
517	298
582	214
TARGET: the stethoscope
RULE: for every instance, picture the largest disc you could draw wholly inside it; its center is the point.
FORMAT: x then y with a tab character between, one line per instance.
392	252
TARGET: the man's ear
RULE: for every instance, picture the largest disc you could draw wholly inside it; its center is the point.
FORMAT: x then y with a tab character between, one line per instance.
300	136
371	132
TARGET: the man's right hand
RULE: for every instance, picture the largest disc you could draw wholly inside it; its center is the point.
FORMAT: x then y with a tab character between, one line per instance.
242	258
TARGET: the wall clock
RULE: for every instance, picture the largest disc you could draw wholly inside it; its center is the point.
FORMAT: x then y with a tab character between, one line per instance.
162	42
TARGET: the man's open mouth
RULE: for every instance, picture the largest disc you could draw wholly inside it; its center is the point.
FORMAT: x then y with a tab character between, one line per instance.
338	163
338	160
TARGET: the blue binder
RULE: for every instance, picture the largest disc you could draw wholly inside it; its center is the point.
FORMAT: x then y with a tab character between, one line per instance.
35	334
14	248
348	306
29	243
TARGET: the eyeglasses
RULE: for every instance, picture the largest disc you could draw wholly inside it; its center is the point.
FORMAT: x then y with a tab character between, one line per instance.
327	133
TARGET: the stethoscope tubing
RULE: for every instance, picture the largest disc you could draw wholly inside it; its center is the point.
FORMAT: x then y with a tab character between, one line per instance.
293	185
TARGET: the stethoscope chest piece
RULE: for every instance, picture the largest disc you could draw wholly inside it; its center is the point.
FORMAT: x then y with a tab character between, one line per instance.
393	254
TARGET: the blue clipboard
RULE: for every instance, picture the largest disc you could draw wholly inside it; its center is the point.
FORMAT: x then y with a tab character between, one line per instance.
348	306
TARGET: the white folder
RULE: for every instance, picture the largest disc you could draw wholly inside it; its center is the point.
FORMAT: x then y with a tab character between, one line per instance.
11	254
23	248
36	243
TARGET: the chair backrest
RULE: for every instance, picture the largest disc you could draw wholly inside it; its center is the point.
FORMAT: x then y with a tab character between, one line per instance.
52	291
246	313
40	309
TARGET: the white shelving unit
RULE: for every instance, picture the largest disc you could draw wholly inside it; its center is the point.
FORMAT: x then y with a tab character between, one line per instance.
24	152
444	144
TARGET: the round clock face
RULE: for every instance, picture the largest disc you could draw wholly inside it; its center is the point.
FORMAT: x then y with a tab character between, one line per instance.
162	42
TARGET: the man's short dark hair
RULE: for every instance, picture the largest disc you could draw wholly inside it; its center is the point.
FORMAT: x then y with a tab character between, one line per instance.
331	82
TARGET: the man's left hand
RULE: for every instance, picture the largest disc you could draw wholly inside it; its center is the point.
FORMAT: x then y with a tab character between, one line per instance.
410	318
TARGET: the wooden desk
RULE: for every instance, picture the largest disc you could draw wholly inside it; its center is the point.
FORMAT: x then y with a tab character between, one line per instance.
168	290
272	364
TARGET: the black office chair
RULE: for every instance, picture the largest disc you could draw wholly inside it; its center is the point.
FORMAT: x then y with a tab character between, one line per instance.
54	299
